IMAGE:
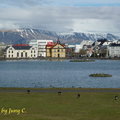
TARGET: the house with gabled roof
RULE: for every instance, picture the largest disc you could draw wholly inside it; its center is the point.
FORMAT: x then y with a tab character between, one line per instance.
113	50
56	50
21	51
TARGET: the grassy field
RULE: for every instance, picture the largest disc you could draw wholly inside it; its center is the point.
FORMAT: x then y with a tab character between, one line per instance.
51	106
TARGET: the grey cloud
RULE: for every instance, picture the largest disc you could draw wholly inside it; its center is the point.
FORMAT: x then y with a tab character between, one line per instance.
62	18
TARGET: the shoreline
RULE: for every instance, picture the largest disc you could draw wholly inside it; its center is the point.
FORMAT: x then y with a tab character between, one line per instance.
58	59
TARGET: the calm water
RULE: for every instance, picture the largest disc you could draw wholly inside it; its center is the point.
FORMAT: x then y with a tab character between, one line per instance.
59	74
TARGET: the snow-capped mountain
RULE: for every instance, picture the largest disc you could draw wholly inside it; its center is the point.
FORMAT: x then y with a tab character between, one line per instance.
25	35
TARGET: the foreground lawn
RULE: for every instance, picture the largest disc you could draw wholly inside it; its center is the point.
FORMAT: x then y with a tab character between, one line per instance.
51	106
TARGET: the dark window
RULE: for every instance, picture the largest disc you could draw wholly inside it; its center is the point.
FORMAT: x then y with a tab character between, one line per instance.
21	54
17	54
25	54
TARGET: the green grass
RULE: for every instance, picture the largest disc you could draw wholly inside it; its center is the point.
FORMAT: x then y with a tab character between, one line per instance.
51	106
100	75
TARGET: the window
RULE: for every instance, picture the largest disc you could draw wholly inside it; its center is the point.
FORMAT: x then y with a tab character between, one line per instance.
58	50
17	54
21	54
26	54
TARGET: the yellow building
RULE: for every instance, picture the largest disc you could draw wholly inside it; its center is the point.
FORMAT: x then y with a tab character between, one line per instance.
56	50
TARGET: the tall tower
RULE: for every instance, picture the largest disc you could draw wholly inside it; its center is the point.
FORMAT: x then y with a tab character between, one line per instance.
58	41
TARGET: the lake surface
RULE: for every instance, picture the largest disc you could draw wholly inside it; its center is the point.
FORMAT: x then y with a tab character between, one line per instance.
37	74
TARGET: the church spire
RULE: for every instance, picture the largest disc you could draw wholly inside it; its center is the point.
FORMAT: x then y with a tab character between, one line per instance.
58	41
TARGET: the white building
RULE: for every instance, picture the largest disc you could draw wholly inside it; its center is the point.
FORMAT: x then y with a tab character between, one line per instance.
41	46
113	50
107	43
21	51
86	42
70	46
116	41
80	46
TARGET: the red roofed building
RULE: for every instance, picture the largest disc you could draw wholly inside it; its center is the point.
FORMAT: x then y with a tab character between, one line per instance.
21	51
55	50
20	45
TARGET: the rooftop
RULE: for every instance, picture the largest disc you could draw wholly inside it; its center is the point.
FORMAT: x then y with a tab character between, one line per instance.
21	47
114	44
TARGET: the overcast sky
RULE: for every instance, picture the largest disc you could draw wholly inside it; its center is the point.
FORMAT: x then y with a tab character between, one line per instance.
61	15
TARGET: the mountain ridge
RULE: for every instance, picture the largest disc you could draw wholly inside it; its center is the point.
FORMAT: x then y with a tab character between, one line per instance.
24	35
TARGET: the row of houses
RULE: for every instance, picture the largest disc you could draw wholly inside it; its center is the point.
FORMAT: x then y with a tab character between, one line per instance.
48	48
37	49
99	48
107	48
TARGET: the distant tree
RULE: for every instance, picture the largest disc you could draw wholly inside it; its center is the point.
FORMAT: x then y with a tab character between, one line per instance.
103	53
94	54
83	52
1	52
